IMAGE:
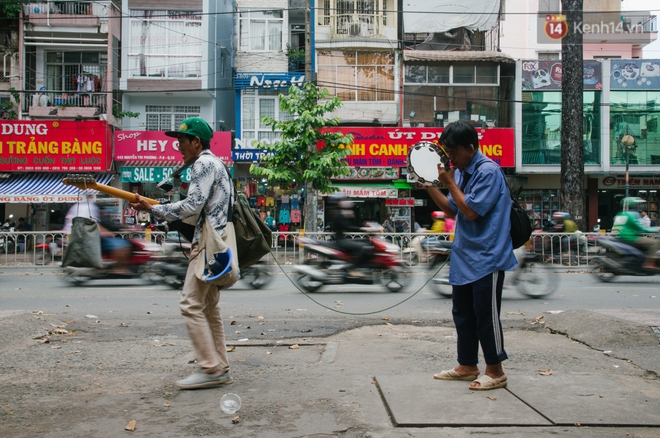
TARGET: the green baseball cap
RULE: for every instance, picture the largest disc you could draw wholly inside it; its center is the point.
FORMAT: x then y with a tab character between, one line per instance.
194	126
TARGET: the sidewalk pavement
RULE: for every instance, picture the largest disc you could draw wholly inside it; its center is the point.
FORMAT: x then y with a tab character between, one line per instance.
574	374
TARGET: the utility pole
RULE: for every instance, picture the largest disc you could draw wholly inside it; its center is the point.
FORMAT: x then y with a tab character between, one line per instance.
308	41
310	192
572	148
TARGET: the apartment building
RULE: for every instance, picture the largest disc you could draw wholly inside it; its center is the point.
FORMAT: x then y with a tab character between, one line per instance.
176	63
64	74
621	91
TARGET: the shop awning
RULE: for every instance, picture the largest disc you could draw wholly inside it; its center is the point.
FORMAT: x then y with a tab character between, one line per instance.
455	55
42	188
378	190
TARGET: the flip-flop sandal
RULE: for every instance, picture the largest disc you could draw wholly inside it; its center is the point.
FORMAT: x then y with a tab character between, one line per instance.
487	383
453	375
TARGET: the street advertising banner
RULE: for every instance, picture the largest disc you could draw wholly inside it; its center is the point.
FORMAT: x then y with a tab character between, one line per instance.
55	146
154	147
635	74
138	174
388	147
547	75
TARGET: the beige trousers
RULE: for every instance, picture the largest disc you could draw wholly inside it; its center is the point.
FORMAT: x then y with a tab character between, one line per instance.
201	313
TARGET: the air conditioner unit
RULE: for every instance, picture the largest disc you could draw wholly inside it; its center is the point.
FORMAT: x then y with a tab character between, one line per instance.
364	29
354	28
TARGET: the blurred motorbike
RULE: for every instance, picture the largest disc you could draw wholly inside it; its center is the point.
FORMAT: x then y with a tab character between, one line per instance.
7	242
329	264
171	266
139	263
619	258
426	249
529	278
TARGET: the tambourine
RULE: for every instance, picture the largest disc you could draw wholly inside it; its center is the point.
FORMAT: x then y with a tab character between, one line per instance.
422	162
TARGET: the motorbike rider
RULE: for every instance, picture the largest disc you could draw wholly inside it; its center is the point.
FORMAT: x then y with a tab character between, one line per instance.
119	250
629	228
438	222
340	212
563	223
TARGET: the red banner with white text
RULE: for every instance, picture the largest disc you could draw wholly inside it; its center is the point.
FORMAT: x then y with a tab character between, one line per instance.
55	146
388	147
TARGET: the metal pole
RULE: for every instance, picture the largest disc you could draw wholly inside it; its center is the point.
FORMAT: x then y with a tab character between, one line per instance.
627	166
308	41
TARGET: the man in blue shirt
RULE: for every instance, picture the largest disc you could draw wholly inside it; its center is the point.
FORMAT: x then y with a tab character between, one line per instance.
479	200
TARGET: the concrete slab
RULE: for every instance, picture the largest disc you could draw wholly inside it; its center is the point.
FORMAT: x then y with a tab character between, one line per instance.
417	400
585	398
260	355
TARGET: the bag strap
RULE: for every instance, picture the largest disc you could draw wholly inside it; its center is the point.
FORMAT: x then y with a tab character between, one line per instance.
465	182
232	195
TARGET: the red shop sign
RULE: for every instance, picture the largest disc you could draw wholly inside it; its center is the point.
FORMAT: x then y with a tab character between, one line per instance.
388	147
55	146
401	202
157	147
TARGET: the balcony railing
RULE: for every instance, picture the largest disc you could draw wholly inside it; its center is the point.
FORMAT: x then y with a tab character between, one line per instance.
639	23
64	8
63	104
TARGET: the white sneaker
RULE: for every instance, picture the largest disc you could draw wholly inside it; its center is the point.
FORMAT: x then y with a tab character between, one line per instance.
204	380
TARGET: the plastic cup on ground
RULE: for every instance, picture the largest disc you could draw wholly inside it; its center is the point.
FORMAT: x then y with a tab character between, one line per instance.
230	403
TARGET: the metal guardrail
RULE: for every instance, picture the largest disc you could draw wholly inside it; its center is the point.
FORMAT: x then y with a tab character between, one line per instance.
26	249
41	248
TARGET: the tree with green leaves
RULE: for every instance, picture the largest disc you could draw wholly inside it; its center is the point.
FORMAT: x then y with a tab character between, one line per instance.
296	156
11	8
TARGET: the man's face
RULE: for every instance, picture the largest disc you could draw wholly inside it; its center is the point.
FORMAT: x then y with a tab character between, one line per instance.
189	149
461	157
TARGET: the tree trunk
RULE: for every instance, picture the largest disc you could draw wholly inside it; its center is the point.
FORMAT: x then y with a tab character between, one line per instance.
310	208
572	149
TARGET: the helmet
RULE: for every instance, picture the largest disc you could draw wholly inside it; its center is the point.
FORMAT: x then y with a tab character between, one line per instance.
631	203
438	215
560	216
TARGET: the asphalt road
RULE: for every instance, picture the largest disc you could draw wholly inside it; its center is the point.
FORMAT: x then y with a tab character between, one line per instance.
334	307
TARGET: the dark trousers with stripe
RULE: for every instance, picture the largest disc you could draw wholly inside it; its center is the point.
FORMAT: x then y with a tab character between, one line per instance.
476	311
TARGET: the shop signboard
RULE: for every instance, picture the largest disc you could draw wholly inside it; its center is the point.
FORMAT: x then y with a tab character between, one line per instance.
644	182
55	146
371	173
137	174
367	191
274	81
635	74
547	75
40	199
388	147
249	155
156	147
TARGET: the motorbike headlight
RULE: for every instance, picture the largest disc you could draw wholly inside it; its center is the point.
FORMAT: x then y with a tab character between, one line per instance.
390	247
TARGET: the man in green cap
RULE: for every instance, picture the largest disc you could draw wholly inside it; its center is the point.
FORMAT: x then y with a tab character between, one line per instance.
208	198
